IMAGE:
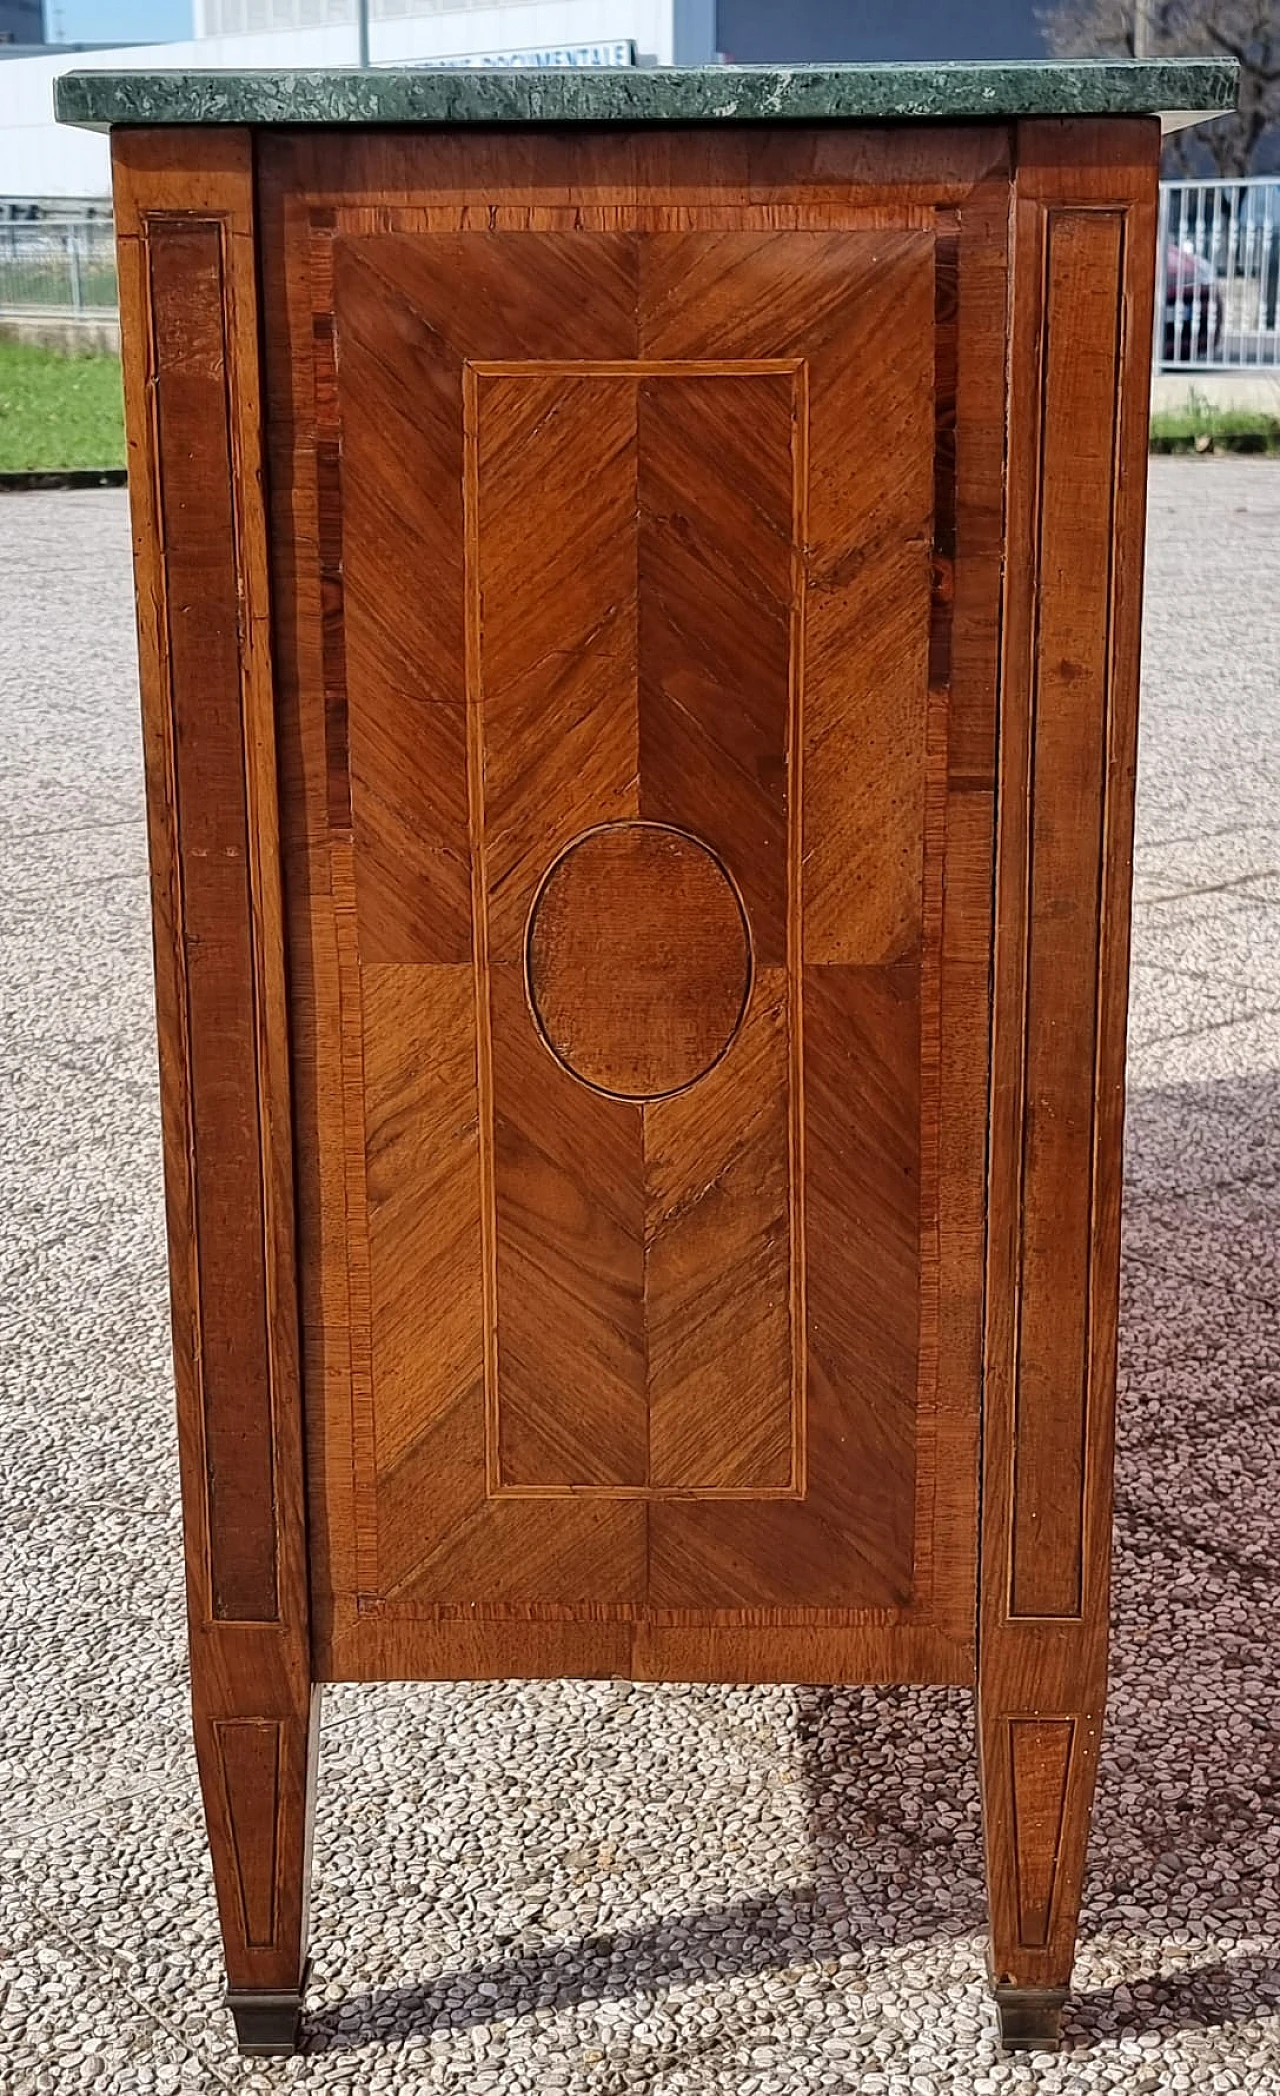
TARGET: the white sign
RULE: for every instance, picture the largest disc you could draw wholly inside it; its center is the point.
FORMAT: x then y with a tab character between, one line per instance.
621	53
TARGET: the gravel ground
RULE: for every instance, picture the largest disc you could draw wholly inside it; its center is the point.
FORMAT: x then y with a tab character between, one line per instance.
592	1887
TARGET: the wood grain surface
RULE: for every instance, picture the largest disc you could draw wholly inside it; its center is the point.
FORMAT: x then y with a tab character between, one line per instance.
186	238
640	833
638	960
1084	230
195	500
626	1294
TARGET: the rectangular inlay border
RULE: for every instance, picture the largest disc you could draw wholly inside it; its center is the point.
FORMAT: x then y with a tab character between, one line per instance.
636	372
189	362
1070	729
875	947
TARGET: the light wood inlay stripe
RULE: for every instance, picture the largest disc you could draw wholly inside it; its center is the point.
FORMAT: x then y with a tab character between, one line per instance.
1039	1772
198	525
1070	702
249	1760
550	509
735	304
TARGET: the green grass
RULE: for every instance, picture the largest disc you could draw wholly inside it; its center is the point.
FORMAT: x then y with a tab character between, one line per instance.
58	411
1200	427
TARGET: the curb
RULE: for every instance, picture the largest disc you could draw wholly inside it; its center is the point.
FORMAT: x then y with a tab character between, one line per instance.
1247	445
70	477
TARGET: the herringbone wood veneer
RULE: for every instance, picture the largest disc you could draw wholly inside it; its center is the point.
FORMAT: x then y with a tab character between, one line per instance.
573	814
617	962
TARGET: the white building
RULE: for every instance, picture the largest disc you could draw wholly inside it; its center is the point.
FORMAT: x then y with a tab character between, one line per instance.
39	158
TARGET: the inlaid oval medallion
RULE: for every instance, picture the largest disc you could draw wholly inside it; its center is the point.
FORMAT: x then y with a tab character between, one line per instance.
638	959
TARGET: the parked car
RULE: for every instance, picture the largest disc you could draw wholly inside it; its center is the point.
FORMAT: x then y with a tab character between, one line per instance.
1192	307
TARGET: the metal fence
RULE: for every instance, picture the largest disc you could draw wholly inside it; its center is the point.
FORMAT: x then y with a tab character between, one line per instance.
1217	289
58	266
1218	276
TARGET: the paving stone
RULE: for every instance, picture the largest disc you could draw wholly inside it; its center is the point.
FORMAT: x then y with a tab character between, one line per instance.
589	1887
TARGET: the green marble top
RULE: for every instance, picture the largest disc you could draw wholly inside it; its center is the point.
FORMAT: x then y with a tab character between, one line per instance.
1178	89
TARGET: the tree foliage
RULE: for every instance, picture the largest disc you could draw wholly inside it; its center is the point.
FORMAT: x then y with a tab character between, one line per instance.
1248	30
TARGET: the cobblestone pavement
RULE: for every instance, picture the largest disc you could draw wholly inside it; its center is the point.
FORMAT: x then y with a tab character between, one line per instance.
598	1888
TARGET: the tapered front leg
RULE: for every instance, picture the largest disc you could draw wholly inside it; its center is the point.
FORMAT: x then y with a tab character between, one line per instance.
1037	1793
1080	354
258	1779
185	227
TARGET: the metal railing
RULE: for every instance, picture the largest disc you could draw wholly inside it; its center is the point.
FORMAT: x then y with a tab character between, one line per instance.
58	266
1218	276
1217	286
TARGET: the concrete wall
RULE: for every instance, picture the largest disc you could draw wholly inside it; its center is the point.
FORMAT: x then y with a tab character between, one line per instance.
41	158
1254	390
89	336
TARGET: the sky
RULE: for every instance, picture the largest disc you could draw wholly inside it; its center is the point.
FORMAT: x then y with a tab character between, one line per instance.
112	21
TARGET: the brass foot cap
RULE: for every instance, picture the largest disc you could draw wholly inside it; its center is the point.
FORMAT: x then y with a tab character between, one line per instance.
1030	2018
266	2023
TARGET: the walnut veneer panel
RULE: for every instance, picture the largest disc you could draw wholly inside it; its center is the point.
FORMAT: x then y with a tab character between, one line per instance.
1084	231
624	553
1082	253
188	295
574	808
185	290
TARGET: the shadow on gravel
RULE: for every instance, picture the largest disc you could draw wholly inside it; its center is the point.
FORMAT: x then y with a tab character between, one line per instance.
1204	1997
1185	1855
894	1834
598	1968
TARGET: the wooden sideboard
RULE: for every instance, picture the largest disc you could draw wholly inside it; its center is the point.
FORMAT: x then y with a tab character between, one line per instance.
639	643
